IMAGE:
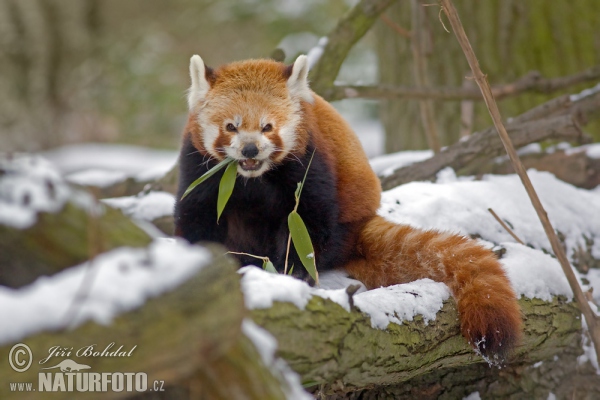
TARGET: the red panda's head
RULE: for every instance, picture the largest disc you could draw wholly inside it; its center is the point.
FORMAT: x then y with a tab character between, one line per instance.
249	111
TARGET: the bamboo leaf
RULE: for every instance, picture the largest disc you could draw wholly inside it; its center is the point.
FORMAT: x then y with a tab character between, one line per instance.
303	244
226	188
269	267
207	175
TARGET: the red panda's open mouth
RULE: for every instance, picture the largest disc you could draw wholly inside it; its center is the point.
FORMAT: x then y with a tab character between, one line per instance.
250	164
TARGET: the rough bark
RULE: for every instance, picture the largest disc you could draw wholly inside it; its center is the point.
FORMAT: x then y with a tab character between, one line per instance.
341	350
66	238
485	145
191	339
558	119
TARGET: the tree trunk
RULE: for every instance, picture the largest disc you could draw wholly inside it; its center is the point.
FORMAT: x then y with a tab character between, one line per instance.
510	38
46	53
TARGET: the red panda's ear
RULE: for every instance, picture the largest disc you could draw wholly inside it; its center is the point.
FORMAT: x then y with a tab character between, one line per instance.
200	76
297	82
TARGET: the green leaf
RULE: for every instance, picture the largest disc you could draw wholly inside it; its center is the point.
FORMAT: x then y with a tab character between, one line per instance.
226	188
291	271
269	267
207	175
303	244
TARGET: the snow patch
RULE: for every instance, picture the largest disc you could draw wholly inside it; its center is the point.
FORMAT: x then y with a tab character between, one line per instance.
384	305
261	289
137	162
534	274
473	396
316	52
121	280
30	184
461	206
585	93
386	164
398	303
266	344
144	206
96	177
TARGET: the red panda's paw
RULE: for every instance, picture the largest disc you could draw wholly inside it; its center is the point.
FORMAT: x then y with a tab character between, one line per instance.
493	329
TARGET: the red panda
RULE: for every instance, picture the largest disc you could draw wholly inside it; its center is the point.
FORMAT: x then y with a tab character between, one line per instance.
263	114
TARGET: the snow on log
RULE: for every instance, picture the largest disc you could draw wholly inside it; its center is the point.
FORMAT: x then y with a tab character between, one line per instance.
47	225
178	320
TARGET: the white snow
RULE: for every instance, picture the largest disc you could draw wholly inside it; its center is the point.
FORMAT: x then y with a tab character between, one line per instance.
473	396
266	344
120	280
261	289
96	177
386	164
384	305
592	150
316	52
533	273
399	303
137	162
585	93
462	206
144	206
30	184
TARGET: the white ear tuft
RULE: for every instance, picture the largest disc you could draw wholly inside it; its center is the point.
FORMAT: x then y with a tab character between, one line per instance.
297	83
200	85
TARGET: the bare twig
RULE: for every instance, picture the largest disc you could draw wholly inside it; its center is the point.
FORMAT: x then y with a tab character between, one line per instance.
421	77
480	78
531	82
400	30
249	255
506	227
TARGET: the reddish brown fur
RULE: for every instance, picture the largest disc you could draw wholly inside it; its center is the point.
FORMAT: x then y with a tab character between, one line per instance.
390	254
386	253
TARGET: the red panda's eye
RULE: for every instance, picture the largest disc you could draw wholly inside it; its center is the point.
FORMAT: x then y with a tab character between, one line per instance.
267	128
231	128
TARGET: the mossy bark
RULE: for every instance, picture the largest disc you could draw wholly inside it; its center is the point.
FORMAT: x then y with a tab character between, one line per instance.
63	239
190	339
340	350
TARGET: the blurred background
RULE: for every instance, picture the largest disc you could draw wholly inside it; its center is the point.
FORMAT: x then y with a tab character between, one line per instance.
113	71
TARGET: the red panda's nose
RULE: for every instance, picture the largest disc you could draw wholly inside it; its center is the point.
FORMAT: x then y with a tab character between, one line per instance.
250	150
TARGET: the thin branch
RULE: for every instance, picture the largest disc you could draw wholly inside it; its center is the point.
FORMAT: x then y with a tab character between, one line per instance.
506	227
531	82
400	30
559	252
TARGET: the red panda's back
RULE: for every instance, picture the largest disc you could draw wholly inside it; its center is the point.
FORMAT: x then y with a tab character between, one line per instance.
359	189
